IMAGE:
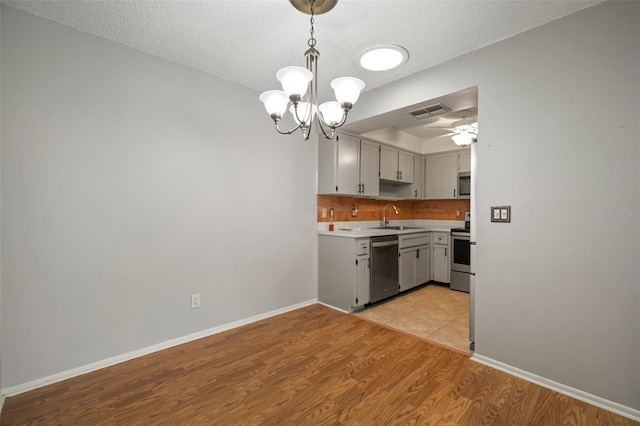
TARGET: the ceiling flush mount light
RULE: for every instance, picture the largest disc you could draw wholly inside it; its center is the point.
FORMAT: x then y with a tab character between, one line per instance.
298	82
383	57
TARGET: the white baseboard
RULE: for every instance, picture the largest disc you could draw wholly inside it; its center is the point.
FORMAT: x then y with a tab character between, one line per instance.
332	307
58	377
605	404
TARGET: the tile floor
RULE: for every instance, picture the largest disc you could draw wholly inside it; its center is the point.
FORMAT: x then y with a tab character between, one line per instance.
432	312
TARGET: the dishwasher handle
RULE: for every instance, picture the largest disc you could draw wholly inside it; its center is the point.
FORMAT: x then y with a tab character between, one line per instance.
385	244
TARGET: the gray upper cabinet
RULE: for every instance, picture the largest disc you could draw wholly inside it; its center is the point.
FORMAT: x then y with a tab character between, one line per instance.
348	166
417	187
441	176
369	167
396	165
464	161
415	191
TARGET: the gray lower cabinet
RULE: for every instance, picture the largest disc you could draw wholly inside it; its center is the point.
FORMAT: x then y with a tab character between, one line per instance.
343	272
440	265
414	260
363	280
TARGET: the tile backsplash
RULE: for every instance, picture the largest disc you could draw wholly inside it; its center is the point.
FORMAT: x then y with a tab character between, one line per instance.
369	209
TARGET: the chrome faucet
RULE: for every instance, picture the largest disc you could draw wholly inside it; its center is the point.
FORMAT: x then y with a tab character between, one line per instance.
385	222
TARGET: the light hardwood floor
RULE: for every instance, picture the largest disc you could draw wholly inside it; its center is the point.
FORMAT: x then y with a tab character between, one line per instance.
312	366
433	312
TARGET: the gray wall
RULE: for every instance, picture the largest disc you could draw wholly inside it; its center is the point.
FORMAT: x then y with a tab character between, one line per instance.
558	288
1	397
129	183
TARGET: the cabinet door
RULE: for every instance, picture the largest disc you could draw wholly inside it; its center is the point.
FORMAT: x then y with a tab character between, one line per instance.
440	263
363	280
348	168
464	160
369	168
405	167
423	253
388	163
417	192
406	269
441	176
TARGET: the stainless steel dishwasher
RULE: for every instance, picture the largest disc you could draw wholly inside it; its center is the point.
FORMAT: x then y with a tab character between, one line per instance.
384	267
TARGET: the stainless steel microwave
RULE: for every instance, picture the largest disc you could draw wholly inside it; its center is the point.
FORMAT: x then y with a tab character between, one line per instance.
464	185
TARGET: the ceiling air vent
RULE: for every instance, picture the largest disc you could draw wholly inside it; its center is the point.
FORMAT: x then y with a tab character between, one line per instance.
430	111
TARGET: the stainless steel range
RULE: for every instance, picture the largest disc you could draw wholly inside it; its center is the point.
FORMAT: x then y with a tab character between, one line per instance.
461	256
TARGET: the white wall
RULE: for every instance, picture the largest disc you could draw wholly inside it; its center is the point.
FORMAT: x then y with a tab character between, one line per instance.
129	183
558	291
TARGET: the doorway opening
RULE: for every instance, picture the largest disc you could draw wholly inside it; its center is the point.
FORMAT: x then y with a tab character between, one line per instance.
435	311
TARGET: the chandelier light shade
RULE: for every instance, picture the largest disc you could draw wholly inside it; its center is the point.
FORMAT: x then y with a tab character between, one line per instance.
294	80
303	111
299	88
331	112
347	89
275	102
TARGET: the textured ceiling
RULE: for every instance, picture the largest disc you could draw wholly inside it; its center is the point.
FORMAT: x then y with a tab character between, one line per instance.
248	41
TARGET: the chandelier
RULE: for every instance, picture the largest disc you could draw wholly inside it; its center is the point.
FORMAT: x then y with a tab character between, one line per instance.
298	82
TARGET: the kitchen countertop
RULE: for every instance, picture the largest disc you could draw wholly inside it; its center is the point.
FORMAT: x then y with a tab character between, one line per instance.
369	232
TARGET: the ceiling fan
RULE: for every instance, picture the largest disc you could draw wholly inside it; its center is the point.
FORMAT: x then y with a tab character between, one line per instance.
463	131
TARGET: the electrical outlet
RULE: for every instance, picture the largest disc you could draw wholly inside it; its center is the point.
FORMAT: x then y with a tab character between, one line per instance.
195	301
354	212
324	212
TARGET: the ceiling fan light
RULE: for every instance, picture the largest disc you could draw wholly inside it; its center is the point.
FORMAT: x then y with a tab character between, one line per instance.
347	89
275	102
294	80
462	139
331	113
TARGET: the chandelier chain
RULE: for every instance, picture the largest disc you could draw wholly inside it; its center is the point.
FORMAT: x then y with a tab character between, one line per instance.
312	40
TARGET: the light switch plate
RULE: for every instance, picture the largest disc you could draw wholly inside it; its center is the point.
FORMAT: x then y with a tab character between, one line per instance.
501	214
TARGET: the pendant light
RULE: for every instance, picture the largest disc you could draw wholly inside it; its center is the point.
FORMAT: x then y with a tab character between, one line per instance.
298	82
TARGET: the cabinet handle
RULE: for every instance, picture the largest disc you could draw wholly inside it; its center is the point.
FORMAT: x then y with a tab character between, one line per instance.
363	188
369	263
417	254
400	175
454	193
445	252
416	192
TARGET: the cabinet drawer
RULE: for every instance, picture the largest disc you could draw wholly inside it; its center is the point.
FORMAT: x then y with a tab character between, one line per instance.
362	247
413	240
441	238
